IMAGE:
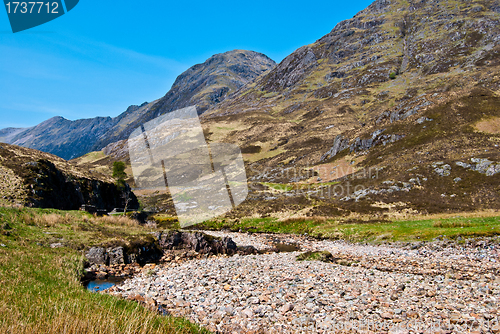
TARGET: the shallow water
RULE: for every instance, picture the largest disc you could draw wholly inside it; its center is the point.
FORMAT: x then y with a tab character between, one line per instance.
103	284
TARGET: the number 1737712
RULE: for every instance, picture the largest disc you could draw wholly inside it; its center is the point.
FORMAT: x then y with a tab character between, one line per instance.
32	7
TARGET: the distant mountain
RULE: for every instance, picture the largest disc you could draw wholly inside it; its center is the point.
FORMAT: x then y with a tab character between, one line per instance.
7	134
203	85
62	137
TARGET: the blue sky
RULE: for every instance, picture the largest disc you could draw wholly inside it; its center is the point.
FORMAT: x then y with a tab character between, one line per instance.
103	56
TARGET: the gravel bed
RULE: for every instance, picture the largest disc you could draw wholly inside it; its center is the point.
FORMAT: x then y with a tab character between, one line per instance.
438	287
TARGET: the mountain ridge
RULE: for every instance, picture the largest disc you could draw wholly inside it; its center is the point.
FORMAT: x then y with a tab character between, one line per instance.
203	85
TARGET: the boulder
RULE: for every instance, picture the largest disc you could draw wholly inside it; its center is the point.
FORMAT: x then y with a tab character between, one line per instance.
97	255
339	145
116	255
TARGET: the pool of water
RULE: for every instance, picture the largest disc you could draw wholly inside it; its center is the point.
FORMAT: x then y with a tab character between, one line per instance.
103	284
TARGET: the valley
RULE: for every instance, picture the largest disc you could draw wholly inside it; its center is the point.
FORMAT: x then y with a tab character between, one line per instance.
373	170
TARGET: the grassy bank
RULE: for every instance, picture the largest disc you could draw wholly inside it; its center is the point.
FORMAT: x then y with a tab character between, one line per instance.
40	290
418	229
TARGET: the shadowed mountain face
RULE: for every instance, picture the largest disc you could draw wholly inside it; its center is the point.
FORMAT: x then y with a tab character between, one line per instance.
208	84
7	134
203	85
62	137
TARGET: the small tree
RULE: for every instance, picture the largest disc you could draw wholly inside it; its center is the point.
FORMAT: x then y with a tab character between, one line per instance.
120	175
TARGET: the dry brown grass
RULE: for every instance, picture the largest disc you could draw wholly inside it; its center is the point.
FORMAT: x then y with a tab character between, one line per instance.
54	219
116	220
475	214
47	220
75	317
491	125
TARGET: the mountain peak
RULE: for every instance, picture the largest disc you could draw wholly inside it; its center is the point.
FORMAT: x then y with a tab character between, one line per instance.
204	85
388	39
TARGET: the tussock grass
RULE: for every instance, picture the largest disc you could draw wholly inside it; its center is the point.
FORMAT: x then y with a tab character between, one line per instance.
452	224
116	220
77	229
45	220
40	291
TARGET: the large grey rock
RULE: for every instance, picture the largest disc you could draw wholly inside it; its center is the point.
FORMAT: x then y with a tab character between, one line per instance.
117	256
483	166
97	255
197	242
377	138
441	168
339	145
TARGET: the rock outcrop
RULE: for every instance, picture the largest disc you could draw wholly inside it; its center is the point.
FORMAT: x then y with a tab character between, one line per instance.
163	243
48	187
198	242
37	179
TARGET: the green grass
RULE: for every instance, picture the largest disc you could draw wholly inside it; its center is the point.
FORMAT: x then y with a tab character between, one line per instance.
278	186
166	222
267	225
40	291
415	230
371	231
323	256
284	187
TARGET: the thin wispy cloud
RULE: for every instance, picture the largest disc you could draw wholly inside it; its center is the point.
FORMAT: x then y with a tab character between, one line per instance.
61	75
106	53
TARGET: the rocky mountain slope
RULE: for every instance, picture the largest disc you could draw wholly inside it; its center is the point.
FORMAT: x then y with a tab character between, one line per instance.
62	137
7	134
37	179
203	85
395	110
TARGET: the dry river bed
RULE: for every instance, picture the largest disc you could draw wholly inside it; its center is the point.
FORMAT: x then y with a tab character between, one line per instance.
437	287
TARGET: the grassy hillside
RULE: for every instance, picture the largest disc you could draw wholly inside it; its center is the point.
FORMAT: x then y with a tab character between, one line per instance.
40	291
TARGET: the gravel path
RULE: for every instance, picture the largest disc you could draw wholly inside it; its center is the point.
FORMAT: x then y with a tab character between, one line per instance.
438	287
